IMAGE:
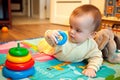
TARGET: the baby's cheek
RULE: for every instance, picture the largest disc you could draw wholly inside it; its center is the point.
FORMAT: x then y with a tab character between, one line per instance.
81	39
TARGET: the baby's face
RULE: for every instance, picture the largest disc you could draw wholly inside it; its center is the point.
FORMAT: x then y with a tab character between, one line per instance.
80	28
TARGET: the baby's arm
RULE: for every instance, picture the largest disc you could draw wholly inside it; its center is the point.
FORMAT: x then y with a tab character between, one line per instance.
94	62
93	66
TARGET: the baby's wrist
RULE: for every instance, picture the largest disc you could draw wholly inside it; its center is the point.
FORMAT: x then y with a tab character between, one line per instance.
93	67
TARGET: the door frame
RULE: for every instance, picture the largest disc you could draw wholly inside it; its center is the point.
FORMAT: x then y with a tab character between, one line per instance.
44	9
23	11
28	9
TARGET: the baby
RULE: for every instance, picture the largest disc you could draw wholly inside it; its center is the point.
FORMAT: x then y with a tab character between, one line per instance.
84	21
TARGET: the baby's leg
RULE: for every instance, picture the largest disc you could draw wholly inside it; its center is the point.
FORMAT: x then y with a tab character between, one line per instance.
117	40
112	56
105	53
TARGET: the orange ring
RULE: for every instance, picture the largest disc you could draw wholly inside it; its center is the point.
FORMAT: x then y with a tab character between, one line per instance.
19	66
18	59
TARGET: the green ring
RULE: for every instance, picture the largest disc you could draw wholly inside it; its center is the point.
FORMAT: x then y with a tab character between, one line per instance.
19	52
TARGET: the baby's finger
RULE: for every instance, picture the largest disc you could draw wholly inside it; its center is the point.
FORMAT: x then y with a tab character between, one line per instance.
56	33
54	39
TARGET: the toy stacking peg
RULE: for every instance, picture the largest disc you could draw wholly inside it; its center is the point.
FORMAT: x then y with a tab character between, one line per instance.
18	51
62	39
19	63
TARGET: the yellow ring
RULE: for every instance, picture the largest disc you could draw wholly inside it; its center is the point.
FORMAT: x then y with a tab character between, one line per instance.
18	59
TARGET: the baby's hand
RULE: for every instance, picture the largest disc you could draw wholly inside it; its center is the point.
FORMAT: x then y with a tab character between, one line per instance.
51	36
89	72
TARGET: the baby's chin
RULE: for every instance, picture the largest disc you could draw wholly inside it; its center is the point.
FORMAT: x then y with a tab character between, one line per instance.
72	40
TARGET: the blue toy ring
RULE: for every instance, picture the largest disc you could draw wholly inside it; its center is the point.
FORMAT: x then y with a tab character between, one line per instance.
64	38
17	74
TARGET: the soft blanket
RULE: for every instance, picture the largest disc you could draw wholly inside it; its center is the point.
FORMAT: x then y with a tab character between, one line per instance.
49	68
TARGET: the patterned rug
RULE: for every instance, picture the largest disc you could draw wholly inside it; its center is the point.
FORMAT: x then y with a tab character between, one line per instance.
49	68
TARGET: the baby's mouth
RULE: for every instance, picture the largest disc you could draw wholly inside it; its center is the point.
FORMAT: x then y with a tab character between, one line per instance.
71	38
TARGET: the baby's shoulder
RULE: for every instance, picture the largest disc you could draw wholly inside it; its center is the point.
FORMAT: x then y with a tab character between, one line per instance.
92	42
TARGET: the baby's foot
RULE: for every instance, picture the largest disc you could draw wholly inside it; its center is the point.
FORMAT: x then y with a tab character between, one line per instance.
114	58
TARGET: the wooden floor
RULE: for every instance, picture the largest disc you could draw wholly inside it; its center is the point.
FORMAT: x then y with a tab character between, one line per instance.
27	31
25	28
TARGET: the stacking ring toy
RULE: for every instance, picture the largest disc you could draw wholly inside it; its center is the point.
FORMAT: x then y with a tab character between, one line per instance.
17	74
18	51
19	66
64	38
18	59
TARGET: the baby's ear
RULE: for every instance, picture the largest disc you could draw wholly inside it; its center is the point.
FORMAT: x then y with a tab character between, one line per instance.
93	34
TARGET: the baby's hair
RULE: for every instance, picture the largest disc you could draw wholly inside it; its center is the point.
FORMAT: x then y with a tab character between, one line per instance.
88	8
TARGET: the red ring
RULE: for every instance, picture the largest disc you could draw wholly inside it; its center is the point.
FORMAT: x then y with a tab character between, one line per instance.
19	66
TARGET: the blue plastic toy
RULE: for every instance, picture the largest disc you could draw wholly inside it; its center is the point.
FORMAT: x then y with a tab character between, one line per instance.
64	38
17	74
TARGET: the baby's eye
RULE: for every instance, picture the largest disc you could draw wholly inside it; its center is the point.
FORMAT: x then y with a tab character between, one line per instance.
71	27
78	30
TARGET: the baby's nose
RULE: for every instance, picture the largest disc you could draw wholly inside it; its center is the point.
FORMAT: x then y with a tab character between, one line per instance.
72	31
